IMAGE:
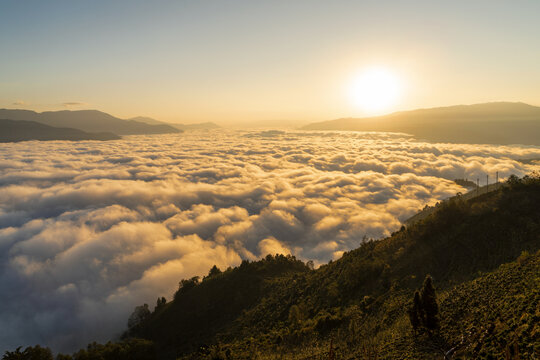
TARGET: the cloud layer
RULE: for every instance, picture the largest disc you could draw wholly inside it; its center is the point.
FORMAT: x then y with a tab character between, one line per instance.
88	230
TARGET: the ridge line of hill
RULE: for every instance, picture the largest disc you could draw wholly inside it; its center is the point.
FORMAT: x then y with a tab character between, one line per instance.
88	121
280	300
482	253
490	123
21	130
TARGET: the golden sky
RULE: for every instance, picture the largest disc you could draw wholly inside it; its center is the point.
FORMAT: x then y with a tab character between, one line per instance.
248	61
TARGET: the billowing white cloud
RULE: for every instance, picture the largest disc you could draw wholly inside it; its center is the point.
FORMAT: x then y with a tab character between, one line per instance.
90	229
273	246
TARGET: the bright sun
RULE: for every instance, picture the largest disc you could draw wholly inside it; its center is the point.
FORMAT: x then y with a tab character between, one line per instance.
374	90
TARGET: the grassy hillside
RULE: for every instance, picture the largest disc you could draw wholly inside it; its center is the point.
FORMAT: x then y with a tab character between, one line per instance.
482	253
364	294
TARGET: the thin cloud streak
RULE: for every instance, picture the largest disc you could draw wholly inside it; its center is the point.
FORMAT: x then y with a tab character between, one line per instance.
73	104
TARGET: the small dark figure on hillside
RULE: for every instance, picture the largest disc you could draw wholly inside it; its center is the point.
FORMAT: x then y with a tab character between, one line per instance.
415	312
430	308
425	311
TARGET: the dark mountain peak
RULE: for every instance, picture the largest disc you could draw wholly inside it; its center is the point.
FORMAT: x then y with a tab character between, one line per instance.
147	120
22	130
88	120
489	107
488	123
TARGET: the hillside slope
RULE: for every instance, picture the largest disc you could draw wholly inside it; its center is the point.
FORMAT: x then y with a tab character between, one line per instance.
493	123
88	120
483	255
19	130
370	285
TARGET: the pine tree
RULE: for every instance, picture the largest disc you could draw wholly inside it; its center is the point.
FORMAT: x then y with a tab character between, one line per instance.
214	271
415	311
160	302
139	315
430	309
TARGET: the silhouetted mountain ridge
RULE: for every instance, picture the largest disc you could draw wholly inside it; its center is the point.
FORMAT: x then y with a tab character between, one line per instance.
493	123
194	126
89	120
21	130
197	126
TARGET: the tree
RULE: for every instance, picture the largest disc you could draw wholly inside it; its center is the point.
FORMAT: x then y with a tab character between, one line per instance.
30	353
160	302
415	312
139	315
295	316
214	271
425	311
185	285
63	357
429	307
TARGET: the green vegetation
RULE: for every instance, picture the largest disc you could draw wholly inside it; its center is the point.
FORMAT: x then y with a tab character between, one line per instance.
30	353
481	300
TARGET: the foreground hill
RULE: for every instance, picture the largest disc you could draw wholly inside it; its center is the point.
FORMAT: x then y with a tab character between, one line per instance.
362	297
491	123
88	120
483	256
13	131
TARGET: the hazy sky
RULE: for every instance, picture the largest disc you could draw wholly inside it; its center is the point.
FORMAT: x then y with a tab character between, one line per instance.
241	61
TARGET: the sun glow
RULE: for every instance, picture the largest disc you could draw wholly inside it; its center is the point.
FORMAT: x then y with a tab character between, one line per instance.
375	90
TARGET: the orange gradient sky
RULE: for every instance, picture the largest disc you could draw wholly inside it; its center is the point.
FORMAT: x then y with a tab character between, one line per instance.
246	61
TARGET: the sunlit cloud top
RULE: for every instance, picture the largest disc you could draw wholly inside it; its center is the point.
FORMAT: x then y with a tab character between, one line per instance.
87	234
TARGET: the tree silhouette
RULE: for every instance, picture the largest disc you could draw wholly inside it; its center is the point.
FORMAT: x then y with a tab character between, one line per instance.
160	302
31	353
214	271
139	315
429	305
185	285
425	311
295	316
415	312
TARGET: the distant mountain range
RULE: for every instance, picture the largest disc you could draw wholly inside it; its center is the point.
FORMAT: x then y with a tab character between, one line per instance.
89	121
147	120
197	126
21	130
490	123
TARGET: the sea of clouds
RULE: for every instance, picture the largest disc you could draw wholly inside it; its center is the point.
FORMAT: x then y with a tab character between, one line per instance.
88	230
